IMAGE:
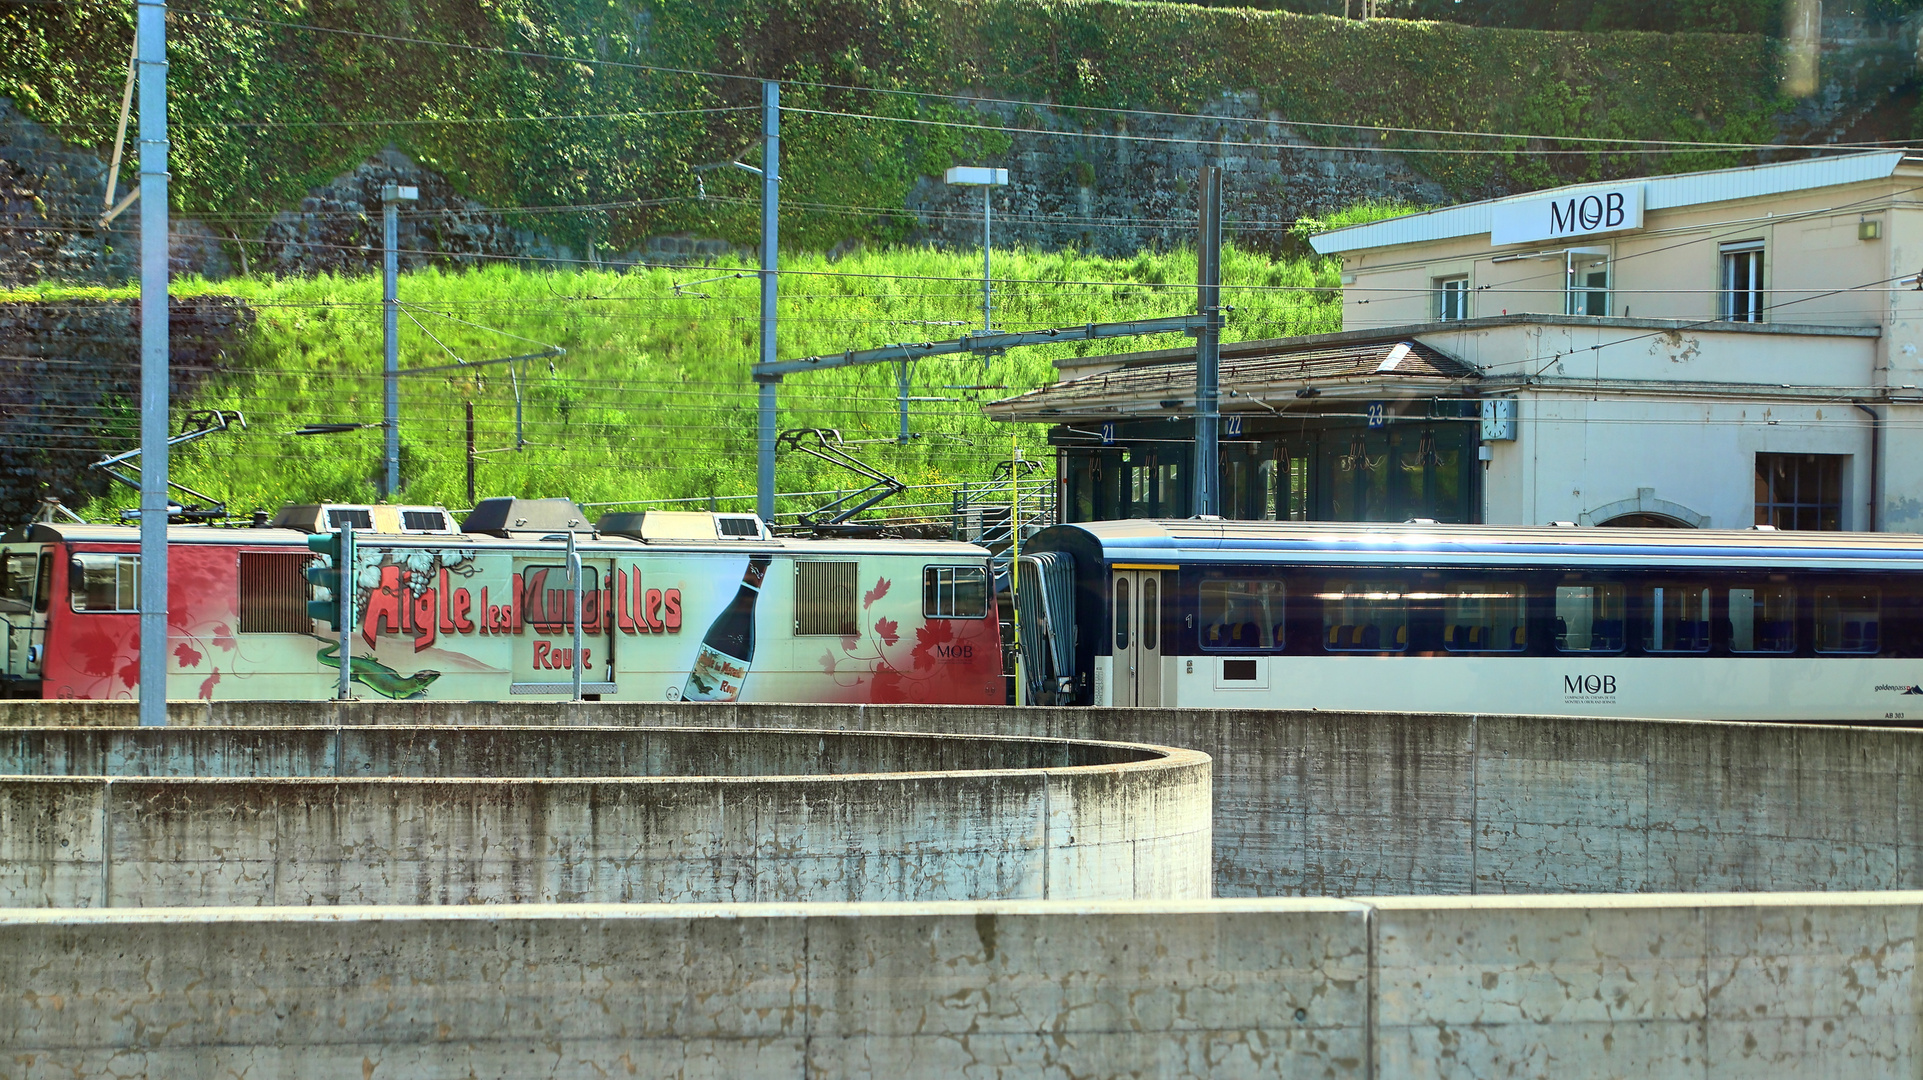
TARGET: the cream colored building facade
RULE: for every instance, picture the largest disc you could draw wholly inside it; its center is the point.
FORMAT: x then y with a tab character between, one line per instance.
1715	349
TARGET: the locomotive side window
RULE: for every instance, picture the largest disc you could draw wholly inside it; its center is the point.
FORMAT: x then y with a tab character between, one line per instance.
1676	619
1484	616
43	584
1762	619
1364	616
1589	618
825	598
273	593
1848	619
954	592
16	577
1238	615
102	582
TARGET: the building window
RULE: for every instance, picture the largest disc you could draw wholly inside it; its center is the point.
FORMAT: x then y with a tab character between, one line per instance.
954	592
104	582
1800	491
1742	291
274	593
1588	283
825	598
1452	297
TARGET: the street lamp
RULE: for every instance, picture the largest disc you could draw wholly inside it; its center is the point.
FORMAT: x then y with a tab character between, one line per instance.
976	176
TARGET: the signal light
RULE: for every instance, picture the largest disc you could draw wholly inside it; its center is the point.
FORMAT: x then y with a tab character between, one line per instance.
336	575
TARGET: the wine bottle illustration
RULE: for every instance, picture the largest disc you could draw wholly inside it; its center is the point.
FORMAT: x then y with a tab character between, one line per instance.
729	646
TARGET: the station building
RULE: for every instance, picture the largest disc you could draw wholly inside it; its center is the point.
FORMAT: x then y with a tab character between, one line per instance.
1716	349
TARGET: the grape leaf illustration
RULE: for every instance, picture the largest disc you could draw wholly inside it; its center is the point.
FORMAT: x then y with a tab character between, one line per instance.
187	655
888	630
880	590
207	685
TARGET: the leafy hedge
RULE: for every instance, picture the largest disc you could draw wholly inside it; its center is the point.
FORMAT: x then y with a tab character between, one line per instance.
239	63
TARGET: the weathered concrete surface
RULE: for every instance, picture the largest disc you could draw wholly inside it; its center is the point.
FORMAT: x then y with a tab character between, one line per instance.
1646	986
220	817
1344	804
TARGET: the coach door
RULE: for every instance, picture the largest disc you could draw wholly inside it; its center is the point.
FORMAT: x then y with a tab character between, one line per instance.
1137	596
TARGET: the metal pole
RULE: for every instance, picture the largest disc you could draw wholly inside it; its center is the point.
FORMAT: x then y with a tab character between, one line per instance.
901	383
1015	557
391	197
151	31
1208	346
346	602
987	237
470	453
574	588
391	342
770	254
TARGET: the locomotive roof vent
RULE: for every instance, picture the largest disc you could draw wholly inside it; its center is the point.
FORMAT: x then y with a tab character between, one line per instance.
684	525
327	517
510	517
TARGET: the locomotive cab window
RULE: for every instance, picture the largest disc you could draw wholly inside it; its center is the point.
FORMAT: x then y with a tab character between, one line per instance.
1364	616
954	592
1848	619
1484	616
1589	617
1676	619
1762	619
102	582
17	572
1241	615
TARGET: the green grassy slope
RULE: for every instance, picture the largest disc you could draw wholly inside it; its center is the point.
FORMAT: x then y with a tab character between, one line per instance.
653	399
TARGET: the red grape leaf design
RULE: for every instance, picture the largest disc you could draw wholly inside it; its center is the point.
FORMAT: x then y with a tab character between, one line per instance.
130	673
187	655
827	662
927	637
224	637
880	590
207	685
889	630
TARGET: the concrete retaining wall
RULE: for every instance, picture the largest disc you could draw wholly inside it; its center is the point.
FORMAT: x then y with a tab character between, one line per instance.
1656	987
1344	804
245	822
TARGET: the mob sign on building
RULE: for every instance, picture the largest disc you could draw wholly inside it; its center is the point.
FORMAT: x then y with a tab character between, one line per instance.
1725	349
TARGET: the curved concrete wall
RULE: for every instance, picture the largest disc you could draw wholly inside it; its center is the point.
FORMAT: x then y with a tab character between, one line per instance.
1354	804
389	816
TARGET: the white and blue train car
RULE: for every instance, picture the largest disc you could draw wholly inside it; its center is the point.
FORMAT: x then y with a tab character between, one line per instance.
1751	625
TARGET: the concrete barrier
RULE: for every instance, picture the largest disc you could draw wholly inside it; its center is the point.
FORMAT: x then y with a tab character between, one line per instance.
183	816
1344	804
1650	986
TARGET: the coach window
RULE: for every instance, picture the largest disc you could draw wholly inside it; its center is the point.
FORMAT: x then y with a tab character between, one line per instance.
1242	615
1589	617
104	582
1847	619
1121	614
1484	616
1676	619
1364	616
1762	619
954	592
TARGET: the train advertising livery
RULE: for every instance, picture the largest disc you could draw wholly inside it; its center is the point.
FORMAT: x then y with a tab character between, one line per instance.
468	618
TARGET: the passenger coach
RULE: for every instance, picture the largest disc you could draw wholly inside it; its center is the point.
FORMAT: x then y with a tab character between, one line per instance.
1704	624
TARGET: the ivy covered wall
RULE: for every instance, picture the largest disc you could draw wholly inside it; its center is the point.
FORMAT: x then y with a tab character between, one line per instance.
272	100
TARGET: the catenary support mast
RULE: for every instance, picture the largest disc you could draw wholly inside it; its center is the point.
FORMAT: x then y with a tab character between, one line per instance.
151	38
770	253
1208	347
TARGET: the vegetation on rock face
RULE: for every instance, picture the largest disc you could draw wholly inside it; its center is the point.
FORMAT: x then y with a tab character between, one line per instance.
653	399
269	102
